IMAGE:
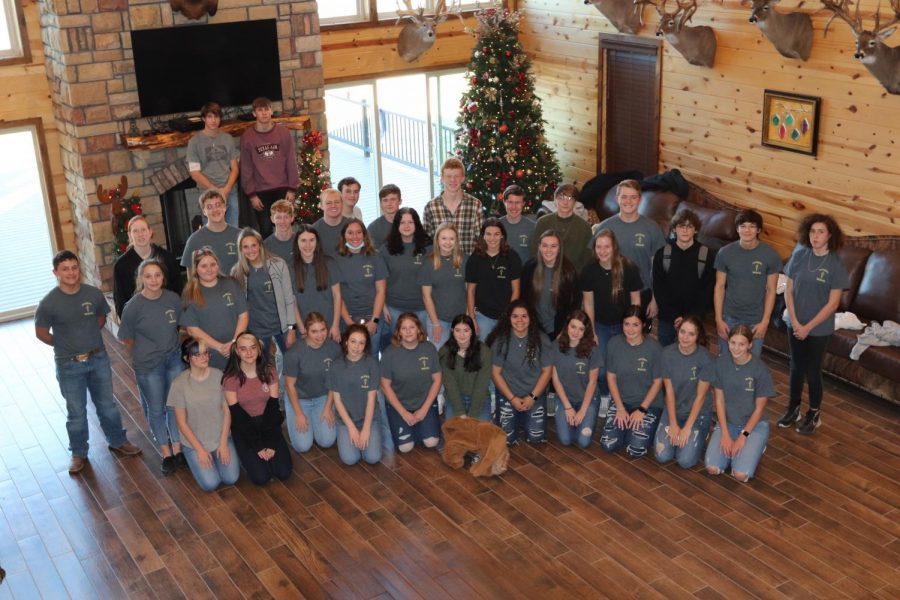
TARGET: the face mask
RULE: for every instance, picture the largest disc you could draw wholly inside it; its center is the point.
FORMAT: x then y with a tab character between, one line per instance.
353	248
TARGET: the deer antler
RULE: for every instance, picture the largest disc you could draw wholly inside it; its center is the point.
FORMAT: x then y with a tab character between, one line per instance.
687	8
413	14
895	6
840	9
639	8
441	12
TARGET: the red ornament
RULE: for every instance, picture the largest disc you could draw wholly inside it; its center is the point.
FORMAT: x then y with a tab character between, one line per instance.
508	53
473	80
503	128
470	185
123	247
520	173
484	50
473	106
512	114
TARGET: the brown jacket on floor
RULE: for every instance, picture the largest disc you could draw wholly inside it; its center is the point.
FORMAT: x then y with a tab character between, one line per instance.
462	435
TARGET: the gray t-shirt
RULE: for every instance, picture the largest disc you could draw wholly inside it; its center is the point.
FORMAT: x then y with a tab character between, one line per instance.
225	302
742	385
153	325
358	274
310	366
204	402
410	371
518	235
544	308
813	278
285	249
519	372
72	319
635	368
638	241
261	303
223	243
353	381
403	289
379	229
574	372
212	155
685	372
329	235
745	285
316	300
448	286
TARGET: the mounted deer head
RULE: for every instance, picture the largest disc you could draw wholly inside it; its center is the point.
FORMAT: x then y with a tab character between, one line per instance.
194	9
623	14
696	44
419	34
790	33
881	60
114	198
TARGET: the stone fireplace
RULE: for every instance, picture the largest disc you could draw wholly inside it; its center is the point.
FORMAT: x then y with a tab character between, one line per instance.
94	91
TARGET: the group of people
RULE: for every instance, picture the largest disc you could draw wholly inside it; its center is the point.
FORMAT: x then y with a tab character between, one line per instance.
370	330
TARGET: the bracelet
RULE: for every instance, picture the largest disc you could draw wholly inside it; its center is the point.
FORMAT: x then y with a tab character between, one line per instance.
570	408
642	409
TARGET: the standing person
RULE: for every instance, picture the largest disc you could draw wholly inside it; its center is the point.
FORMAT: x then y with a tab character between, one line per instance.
404	255
742	385
216	234
550	284
70	318
683	276
310	411
204	421
634	376
212	158
466	372
349	188
389	197
687	369
150	329
639	238
268	164
816	277
519	227
443	282
352	383
251	391
573	231
521	371
332	221
410	381
455	206
492	278
215	307
362	276
746	276
141	248
281	242
576	364
318	282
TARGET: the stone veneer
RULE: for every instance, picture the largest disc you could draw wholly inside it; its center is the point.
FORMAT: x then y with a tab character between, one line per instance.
91	71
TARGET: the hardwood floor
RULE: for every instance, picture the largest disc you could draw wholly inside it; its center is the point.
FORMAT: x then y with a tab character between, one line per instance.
822	518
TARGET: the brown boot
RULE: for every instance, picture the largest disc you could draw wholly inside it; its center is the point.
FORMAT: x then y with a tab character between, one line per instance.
126	449
77	464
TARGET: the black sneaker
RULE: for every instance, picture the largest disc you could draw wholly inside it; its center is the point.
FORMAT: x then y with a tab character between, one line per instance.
169	465
810	423
790	416
180	460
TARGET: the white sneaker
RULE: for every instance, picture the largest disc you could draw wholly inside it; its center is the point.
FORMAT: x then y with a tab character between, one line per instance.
604	406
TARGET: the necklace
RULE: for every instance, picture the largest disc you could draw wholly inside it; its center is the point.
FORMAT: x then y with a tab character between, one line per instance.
809	266
493	260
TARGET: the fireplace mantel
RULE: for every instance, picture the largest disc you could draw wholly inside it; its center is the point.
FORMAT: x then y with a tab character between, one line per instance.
178	139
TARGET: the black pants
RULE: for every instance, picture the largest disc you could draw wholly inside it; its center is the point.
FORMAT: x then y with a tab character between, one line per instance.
262	471
265	227
806	366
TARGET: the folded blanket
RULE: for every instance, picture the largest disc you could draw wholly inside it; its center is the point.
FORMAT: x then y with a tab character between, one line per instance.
887	334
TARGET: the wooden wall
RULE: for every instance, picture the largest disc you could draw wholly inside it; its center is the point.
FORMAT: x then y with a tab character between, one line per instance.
711	118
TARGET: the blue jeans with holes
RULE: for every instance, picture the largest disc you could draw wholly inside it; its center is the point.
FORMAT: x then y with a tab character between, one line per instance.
748	458
153	386
635	441
445	333
467	403
405	437
604	334
219	473
581	434
687	456
350	454
723	343
532	421
316	429
75	380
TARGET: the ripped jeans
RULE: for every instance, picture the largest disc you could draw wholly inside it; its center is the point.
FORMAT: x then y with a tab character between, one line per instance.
581	434
688	455
637	442
532	421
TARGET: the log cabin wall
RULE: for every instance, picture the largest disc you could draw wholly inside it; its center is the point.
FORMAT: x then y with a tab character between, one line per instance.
711	118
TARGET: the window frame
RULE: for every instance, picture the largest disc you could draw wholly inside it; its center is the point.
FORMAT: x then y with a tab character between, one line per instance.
20	52
373	20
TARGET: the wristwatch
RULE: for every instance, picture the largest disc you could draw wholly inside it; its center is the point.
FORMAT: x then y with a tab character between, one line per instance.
642	409
745	433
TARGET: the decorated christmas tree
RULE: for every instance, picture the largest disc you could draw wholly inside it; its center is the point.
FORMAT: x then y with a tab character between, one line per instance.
502	128
314	177
130	208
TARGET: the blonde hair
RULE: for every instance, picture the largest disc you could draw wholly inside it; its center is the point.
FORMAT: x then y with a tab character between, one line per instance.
628	183
242	267
327	193
283	206
139	275
456	255
192	293
134	220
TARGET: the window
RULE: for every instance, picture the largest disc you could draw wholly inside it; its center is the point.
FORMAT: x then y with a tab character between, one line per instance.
334	12
13	43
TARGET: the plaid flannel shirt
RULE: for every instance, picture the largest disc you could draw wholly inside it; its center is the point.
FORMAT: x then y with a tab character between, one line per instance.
468	219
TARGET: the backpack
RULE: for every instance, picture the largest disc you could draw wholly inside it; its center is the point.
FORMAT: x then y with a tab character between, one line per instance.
702	255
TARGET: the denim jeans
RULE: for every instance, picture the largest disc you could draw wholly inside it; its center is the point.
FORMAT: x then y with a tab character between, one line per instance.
485	414
445	333
687	456
232	207
382	422
350	454
485	325
388	331
635	441
75	380
581	434
666	334
316	430
532	421
604	334
218	474
723	343
277	358
154	391
406	437
748	458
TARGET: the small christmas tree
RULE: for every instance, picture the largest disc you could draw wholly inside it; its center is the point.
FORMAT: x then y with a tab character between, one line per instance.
314	177
130	209
501	141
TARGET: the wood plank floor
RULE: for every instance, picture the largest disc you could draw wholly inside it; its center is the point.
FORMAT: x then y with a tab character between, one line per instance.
822	519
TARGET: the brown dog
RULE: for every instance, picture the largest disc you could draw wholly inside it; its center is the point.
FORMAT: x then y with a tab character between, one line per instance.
462	435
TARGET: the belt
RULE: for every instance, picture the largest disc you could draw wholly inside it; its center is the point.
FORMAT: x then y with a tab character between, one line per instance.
84	356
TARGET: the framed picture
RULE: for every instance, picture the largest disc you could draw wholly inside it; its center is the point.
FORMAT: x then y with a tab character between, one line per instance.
790	121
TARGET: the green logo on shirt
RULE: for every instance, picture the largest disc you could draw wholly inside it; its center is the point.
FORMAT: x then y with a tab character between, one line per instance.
581	368
501	272
88	308
423	363
365	382
639	240
523	240
642	365
229	298
822	276
170	313
231	248
749	384
368	271
757	267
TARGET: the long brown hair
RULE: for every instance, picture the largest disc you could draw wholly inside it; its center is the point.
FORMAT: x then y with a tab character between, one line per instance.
192	293
586	345
319	260
368	248
618	261
481	246
564	273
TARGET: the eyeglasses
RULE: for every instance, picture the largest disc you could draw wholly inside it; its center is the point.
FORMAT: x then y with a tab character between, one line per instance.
565	197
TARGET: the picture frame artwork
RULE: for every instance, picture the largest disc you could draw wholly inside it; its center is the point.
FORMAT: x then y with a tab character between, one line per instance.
791	121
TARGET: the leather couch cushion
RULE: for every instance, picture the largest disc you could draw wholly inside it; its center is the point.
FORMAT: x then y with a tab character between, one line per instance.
659	206
854	258
877	297
841	342
718	224
884	360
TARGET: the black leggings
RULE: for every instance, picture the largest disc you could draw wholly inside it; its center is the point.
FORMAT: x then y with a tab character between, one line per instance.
262	471
806	366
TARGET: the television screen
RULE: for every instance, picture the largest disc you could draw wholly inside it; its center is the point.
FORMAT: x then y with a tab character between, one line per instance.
179	69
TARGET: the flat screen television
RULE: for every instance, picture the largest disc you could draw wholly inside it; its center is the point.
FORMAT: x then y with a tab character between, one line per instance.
179	69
